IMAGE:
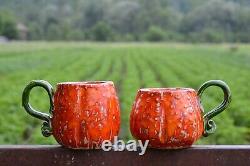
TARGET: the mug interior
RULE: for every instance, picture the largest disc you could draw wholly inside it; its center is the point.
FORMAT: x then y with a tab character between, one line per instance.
165	89
86	83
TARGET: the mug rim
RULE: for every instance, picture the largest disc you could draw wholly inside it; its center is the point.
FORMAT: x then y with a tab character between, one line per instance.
86	83
170	89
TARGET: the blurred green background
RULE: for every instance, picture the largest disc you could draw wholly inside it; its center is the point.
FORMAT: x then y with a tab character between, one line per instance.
130	66
126	20
140	43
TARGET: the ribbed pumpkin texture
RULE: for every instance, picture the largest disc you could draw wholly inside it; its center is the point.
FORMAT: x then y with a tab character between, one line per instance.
167	117
85	114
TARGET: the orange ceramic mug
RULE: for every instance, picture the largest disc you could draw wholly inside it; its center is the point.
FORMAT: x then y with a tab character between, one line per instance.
82	114
173	117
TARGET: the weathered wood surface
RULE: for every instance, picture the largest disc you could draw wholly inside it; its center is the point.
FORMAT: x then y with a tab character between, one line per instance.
22	155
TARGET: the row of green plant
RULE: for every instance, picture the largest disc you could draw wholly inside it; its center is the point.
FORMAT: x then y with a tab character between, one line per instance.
130	67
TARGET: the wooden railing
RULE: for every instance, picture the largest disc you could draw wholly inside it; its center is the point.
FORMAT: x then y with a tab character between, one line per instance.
22	155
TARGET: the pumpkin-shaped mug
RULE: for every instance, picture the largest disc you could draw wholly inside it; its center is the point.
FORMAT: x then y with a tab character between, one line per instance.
81	115
172	118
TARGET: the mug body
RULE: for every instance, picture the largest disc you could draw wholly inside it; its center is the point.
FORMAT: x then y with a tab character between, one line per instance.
168	117
85	114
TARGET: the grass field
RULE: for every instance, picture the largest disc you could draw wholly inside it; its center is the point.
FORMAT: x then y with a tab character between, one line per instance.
130	66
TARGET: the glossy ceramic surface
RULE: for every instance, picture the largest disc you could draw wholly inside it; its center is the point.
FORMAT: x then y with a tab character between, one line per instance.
173	117
83	114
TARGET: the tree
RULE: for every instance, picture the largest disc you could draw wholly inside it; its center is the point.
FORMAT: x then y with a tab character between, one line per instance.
123	17
35	31
198	20
94	11
9	30
155	34
217	16
101	32
8	27
53	32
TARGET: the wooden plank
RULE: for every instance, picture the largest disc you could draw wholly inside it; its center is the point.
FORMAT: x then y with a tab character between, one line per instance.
39	155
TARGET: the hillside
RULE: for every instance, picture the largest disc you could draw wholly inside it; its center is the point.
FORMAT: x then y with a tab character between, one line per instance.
120	20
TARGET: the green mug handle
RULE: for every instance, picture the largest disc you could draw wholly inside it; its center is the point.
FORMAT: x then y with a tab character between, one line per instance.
46	127
209	124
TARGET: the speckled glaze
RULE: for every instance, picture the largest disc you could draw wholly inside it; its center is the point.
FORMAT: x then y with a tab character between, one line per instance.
83	114
168	118
172	118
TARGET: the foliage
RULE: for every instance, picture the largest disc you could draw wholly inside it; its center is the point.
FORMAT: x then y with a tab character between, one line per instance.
101	32
189	20
8	25
155	34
